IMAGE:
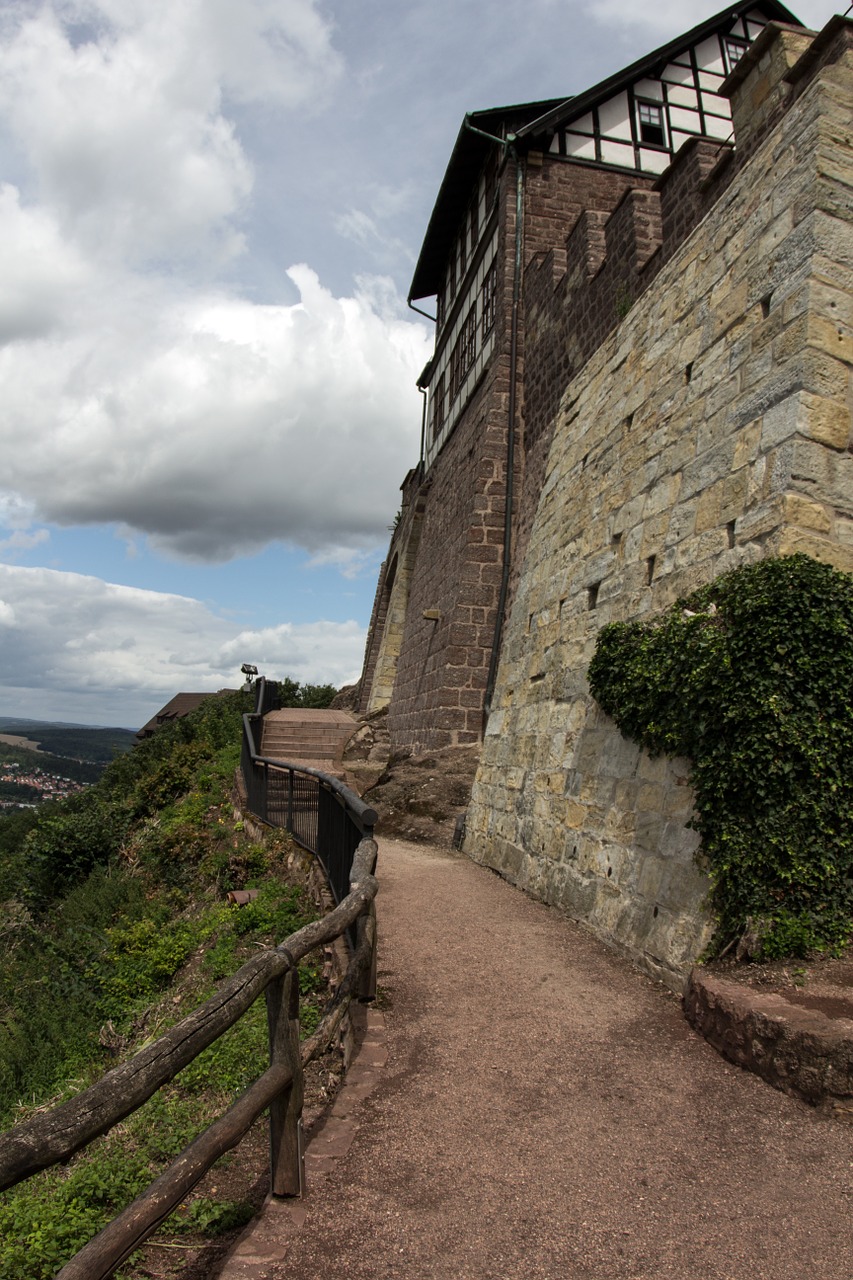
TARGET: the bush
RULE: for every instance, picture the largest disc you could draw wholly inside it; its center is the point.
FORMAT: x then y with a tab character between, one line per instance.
752	679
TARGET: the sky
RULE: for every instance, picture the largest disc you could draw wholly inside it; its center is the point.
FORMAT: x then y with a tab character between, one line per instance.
210	213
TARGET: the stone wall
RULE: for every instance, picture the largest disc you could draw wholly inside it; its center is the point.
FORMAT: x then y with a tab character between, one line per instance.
712	428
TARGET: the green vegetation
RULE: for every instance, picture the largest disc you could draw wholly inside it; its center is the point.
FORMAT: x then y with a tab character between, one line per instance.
76	742
59	766
113	925
752	679
293	694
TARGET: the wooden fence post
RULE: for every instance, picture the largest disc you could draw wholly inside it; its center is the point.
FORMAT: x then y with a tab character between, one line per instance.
367	924
287	1173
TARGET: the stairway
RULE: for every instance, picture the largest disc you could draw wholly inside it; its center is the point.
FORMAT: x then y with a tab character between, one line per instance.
308	737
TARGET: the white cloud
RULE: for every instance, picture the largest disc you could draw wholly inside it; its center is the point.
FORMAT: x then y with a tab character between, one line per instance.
75	645
39	272
134	389
214	425
119	107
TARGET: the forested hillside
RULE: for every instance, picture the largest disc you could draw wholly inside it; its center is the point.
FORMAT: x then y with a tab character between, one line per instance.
114	924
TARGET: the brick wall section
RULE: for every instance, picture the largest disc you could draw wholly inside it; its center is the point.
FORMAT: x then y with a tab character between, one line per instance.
443	663
374	637
593	244
711	428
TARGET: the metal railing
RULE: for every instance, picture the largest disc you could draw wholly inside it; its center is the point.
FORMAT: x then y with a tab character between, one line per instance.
321	813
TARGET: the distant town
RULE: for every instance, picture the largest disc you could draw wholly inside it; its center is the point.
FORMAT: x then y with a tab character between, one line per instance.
24	787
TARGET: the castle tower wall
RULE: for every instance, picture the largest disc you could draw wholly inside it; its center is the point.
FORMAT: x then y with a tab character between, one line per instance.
710	429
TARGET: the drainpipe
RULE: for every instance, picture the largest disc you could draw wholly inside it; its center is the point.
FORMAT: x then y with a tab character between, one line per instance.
412	307
423	392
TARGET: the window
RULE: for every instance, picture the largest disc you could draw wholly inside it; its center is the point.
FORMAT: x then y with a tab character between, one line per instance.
733	50
650	120
488	298
489	183
464	352
475	224
451	279
439	309
438	406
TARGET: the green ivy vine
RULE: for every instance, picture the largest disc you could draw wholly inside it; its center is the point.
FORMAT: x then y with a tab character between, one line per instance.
751	678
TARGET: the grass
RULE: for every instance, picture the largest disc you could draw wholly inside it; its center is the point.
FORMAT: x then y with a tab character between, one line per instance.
135	943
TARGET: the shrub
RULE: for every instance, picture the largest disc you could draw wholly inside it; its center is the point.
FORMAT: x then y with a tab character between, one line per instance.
752	678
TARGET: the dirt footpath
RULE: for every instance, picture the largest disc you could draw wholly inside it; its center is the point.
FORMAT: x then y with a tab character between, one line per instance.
545	1112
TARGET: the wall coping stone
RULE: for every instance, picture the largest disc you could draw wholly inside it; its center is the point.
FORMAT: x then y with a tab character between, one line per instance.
798	1050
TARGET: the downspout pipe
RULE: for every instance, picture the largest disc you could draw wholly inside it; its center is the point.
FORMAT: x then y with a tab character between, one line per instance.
412	307
423	392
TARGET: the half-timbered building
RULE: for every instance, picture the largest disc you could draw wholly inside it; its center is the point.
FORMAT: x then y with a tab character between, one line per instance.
535	198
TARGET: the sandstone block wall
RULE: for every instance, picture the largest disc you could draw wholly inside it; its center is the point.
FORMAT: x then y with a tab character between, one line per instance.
710	429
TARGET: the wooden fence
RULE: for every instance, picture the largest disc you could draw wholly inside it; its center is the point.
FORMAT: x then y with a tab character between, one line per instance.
54	1136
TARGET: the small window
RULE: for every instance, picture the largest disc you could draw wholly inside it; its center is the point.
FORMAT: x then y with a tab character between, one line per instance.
463	354
439	310
438	406
490	182
733	51
488	297
650	120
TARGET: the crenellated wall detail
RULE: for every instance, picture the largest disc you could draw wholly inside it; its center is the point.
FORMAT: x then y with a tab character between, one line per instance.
694	426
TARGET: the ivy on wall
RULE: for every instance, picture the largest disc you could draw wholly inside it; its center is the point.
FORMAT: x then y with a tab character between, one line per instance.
751	678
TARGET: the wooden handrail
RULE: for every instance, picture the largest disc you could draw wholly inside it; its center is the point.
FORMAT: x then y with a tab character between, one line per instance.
54	1136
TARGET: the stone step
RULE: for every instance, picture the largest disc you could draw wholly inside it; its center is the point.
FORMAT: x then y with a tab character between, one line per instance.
312	737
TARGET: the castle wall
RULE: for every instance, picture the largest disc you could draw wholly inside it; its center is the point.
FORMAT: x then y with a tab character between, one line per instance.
710	429
453	588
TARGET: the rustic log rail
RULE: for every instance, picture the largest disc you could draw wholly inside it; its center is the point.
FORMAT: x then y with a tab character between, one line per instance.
54	1136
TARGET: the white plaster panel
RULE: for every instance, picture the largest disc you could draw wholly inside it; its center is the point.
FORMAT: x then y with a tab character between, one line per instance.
613	117
681	96
678	139
710	79
716	127
649	89
708	55
617	153
653	161
582	147
717	106
555	144
584	124
675	73
681	119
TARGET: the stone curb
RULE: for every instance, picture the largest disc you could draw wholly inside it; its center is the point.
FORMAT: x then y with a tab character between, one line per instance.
801	1051
266	1240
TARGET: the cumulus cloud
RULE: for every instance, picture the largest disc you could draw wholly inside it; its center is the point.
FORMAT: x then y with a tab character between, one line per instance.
120	109
135	388
76	646
214	425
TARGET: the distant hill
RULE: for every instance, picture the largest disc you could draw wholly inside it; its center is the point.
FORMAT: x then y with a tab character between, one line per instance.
71	741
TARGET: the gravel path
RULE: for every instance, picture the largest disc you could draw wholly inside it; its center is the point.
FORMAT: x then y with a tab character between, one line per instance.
545	1112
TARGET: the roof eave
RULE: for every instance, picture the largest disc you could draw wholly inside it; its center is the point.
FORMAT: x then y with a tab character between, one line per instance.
583	102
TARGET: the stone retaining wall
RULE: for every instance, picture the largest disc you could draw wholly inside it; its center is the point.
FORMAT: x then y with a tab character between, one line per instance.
711	429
